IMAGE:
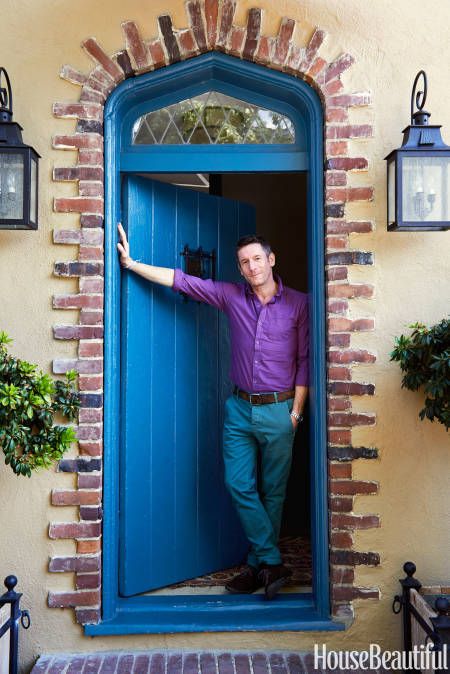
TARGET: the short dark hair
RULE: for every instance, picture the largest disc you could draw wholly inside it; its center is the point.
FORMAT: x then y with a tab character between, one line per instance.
253	238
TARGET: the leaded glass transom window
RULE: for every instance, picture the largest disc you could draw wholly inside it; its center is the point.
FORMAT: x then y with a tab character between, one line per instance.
213	118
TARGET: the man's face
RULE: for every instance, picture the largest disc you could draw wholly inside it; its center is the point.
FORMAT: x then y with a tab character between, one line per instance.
255	265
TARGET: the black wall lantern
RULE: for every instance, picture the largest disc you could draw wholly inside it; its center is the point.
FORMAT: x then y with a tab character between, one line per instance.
18	169
418	174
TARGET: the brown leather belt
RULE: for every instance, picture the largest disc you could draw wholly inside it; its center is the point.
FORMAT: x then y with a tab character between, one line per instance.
263	398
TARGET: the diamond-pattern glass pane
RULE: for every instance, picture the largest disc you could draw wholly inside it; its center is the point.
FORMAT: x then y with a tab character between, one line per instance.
213	118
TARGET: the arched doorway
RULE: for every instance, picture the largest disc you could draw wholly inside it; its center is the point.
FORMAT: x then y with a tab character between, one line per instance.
134	98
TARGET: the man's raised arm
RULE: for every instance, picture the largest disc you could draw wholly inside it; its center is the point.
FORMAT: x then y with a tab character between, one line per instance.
162	275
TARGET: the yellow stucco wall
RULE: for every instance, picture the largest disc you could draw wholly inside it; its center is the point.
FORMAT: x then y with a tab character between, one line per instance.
390	42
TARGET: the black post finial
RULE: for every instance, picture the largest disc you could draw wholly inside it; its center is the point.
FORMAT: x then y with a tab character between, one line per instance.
10	583
409	568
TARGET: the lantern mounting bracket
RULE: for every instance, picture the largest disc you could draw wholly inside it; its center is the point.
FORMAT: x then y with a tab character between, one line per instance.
6	111
420	117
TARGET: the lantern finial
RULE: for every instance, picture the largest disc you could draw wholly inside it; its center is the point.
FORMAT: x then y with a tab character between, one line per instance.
5	97
421	116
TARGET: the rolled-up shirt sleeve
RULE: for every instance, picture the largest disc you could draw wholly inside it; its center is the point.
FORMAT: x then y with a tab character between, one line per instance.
302	373
202	290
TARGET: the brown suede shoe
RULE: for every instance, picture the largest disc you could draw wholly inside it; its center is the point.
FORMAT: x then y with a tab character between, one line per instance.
273	577
246	582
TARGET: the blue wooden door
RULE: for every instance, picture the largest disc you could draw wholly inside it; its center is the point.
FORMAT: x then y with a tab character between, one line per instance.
176	518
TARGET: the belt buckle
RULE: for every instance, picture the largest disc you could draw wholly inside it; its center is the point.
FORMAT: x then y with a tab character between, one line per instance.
251	396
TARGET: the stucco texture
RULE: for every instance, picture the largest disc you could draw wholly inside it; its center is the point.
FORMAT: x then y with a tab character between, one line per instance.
390	43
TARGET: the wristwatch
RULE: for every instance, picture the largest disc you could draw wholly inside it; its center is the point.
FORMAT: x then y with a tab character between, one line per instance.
297	417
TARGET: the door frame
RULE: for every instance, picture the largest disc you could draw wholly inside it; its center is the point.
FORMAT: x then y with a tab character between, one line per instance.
289	95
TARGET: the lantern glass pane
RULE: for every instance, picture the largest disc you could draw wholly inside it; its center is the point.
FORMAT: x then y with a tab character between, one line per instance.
391	192
11	186
426	189
33	192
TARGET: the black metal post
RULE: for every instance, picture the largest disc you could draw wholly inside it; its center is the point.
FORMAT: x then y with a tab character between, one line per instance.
13	599
404	602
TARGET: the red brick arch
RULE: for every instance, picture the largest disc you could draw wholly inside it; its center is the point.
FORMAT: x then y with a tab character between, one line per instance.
210	26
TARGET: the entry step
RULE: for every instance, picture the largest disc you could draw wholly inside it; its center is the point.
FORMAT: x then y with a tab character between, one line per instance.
177	662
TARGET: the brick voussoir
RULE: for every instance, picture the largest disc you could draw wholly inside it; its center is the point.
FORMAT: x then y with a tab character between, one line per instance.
349	131
188	46
77	141
354	388
350	290
341	324
356	227
343	194
349	257
74	530
99	56
87	581
353	487
82	236
73	497
253	32
354	558
135	46
335	69
157	53
341	419
78	205
283	41
340	504
73	599
228	8
351	356
197	23
349	453
168	38
83	366
346	164
78	269
211	16
72	75
352	521
76	564
90	432
237	40
317	39
349	592
122	58
92	301
77	332
350	100
87	616
83	110
79	172
79	465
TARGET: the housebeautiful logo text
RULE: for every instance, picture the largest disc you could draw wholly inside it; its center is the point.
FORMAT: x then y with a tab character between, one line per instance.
421	658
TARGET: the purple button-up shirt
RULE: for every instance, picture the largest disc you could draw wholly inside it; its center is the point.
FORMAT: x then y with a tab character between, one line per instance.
269	342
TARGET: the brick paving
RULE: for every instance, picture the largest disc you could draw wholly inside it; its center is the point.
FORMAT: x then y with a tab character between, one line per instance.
171	662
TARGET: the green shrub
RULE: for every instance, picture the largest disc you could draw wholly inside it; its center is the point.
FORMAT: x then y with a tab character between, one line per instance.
424	357
28	402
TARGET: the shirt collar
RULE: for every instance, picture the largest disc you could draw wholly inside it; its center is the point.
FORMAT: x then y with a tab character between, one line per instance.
249	291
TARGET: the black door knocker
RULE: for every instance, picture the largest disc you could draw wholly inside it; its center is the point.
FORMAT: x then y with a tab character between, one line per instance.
198	263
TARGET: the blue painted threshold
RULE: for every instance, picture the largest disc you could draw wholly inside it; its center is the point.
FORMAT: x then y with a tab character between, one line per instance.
204	613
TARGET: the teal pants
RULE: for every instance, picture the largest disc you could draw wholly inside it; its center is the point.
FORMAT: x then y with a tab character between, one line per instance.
266	430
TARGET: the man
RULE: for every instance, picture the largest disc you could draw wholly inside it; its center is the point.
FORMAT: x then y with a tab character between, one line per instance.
269	368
